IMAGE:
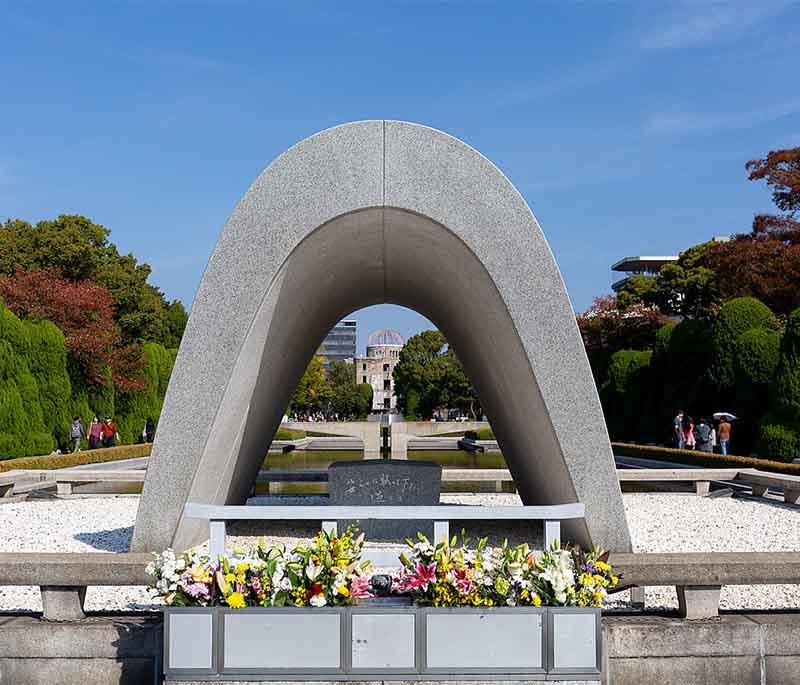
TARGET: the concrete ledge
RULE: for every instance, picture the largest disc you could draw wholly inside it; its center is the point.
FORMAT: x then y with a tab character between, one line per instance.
74	570
708	568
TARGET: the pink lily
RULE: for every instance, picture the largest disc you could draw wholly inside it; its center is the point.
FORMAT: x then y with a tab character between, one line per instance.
423	577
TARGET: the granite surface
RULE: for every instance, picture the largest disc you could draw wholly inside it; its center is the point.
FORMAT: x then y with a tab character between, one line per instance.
386	482
369	212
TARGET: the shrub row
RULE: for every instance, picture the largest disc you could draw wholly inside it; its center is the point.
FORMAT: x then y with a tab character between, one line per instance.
623	449
63	461
289	434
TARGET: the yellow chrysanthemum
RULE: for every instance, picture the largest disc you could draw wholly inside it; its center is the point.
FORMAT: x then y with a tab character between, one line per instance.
235	600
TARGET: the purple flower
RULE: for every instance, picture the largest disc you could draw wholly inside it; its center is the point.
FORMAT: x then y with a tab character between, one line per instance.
198	590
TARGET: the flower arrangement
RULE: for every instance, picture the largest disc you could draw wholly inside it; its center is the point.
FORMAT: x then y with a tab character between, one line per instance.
454	574
328	571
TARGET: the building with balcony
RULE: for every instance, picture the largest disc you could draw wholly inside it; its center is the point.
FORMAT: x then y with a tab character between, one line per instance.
340	344
635	266
377	368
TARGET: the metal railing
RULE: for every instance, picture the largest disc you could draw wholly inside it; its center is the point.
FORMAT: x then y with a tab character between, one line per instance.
441	515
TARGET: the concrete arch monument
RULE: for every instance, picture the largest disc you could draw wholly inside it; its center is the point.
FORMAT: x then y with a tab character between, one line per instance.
369	212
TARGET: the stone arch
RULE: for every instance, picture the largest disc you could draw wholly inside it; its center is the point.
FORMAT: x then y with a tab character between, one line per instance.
369	212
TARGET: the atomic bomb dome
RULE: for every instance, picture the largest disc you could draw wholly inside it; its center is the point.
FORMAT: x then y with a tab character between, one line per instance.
384	337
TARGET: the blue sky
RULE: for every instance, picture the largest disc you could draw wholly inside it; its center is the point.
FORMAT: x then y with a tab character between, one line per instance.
625	126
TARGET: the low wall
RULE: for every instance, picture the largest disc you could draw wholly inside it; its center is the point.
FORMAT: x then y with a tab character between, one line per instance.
100	650
735	648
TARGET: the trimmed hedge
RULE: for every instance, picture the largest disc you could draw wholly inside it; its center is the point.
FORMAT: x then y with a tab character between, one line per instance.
786	397
779	441
62	461
135	408
712	460
22	425
735	317
757	354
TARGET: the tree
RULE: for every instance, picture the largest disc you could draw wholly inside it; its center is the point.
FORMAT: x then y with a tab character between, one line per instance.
175	320
786	396
348	400
735	318
78	250
313	392
136	406
84	311
781	170
23	429
625	393
638	289
429	375
764	264
779	434
607	328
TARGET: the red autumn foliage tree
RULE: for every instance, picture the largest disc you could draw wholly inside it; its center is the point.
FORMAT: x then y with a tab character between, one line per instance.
781	169
84	311
765	263
606	328
757	266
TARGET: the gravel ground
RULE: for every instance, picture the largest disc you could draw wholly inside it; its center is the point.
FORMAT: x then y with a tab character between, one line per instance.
659	522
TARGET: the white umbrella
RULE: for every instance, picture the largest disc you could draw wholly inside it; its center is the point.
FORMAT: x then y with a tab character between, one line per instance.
724	415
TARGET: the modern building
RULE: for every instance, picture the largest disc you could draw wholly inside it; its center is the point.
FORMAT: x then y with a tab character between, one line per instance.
642	265
340	343
648	266
377	368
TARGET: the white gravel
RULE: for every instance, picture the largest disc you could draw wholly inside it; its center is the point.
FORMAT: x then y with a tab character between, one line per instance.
660	522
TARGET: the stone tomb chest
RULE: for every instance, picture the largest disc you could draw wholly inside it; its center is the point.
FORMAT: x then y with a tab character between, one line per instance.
382	482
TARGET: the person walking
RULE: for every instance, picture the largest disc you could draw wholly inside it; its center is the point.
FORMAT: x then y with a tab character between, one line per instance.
688	433
95	429
677	429
149	430
109	432
76	432
724	434
703	436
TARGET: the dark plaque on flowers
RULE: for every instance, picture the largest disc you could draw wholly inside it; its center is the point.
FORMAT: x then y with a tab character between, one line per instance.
382	482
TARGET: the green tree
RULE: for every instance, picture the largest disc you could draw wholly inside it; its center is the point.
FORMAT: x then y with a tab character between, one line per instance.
735	318
687	287
80	250
625	394
786	395
313	392
135	407
175	320
638	289
22	424
48	364
345	397
429	375
757	356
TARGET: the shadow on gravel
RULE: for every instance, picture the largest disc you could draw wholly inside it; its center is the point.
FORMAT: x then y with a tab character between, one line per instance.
116	540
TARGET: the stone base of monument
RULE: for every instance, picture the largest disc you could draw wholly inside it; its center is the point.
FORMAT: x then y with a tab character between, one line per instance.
375	642
376	482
